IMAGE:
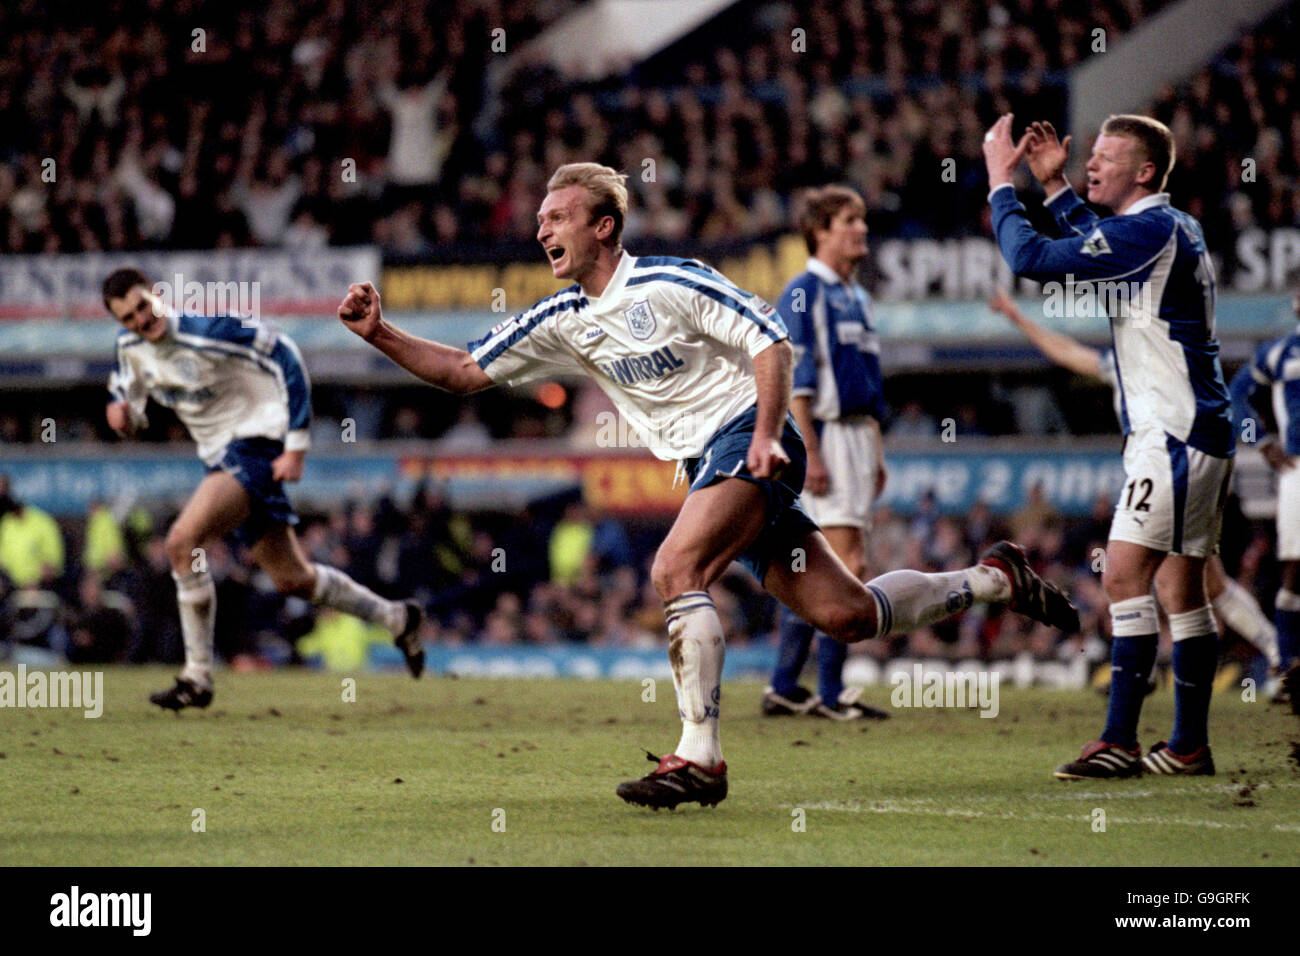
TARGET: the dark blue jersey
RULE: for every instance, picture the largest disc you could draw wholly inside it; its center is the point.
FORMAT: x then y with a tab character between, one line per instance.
1150	272
836	352
1267	389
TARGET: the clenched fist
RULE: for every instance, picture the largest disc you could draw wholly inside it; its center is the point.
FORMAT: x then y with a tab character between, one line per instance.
359	310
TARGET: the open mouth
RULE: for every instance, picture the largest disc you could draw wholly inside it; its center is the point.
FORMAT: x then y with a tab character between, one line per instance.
556	253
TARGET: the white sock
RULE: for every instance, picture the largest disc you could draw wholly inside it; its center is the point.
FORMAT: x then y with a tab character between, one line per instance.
1238	609
696	649
906	600
196	596
335	589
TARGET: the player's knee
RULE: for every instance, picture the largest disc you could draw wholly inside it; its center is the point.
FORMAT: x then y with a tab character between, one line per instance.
299	581
849	621
1119	584
670	576
180	546
1178	595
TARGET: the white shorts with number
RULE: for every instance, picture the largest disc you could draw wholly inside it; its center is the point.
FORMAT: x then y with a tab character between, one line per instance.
1288	512
848	447
1173	496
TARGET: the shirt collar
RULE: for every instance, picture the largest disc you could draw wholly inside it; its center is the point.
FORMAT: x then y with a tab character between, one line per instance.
1150	202
824	272
614	287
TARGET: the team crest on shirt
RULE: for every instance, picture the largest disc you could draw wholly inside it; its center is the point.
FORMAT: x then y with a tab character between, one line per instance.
640	320
1096	244
187	368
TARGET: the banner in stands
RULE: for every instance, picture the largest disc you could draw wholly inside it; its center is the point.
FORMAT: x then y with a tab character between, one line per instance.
276	281
1070	479
961	269
752	662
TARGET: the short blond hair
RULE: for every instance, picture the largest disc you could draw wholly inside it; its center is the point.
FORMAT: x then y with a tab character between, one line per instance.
1153	138
604	185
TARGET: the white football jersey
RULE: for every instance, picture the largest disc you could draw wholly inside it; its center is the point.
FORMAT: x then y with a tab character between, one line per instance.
225	379
670	341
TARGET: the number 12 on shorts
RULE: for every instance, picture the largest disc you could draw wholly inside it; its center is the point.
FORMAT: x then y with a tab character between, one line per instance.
1142	488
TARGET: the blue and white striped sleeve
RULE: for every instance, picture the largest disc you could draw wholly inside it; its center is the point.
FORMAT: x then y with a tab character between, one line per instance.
795	306
1072	213
720	309
125	384
273	352
1115	248
1250	390
525	347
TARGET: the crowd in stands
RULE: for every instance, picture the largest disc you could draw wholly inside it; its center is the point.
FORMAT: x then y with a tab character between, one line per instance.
307	122
100	589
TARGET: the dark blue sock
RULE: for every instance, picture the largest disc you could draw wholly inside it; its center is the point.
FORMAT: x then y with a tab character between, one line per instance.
830	668
1195	661
1288	634
1131	659
792	652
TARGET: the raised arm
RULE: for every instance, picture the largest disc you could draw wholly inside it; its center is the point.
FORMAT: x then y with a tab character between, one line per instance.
1060	349
451	369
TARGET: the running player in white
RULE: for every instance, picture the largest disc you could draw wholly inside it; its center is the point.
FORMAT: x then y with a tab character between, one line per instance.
1232	603
702	369
241	391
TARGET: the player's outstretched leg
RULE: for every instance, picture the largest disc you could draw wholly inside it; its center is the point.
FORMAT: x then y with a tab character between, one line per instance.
824	593
335	589
279	553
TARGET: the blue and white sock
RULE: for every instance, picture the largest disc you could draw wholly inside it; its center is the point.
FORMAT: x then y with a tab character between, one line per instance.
335	589
1286	615
831	655
906	600
1237	608
792	652
1196	658
696	649
1134	626
196	597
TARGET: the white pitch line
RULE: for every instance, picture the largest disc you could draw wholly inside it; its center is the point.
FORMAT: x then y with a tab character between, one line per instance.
919	809
1069	793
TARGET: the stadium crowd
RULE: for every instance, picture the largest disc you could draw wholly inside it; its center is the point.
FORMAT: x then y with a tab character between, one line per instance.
100	589
266	130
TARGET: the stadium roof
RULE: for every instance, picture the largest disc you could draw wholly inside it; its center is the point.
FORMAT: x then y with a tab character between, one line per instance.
609	36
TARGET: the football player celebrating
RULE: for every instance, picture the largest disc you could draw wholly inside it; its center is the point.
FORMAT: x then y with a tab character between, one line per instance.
1235	605
1174	409
703	370
240	389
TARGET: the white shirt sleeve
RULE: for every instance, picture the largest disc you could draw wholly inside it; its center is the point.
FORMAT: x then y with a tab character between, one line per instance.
523	349
127	386
723	311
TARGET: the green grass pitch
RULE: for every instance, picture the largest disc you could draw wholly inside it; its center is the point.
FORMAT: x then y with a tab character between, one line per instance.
500	772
